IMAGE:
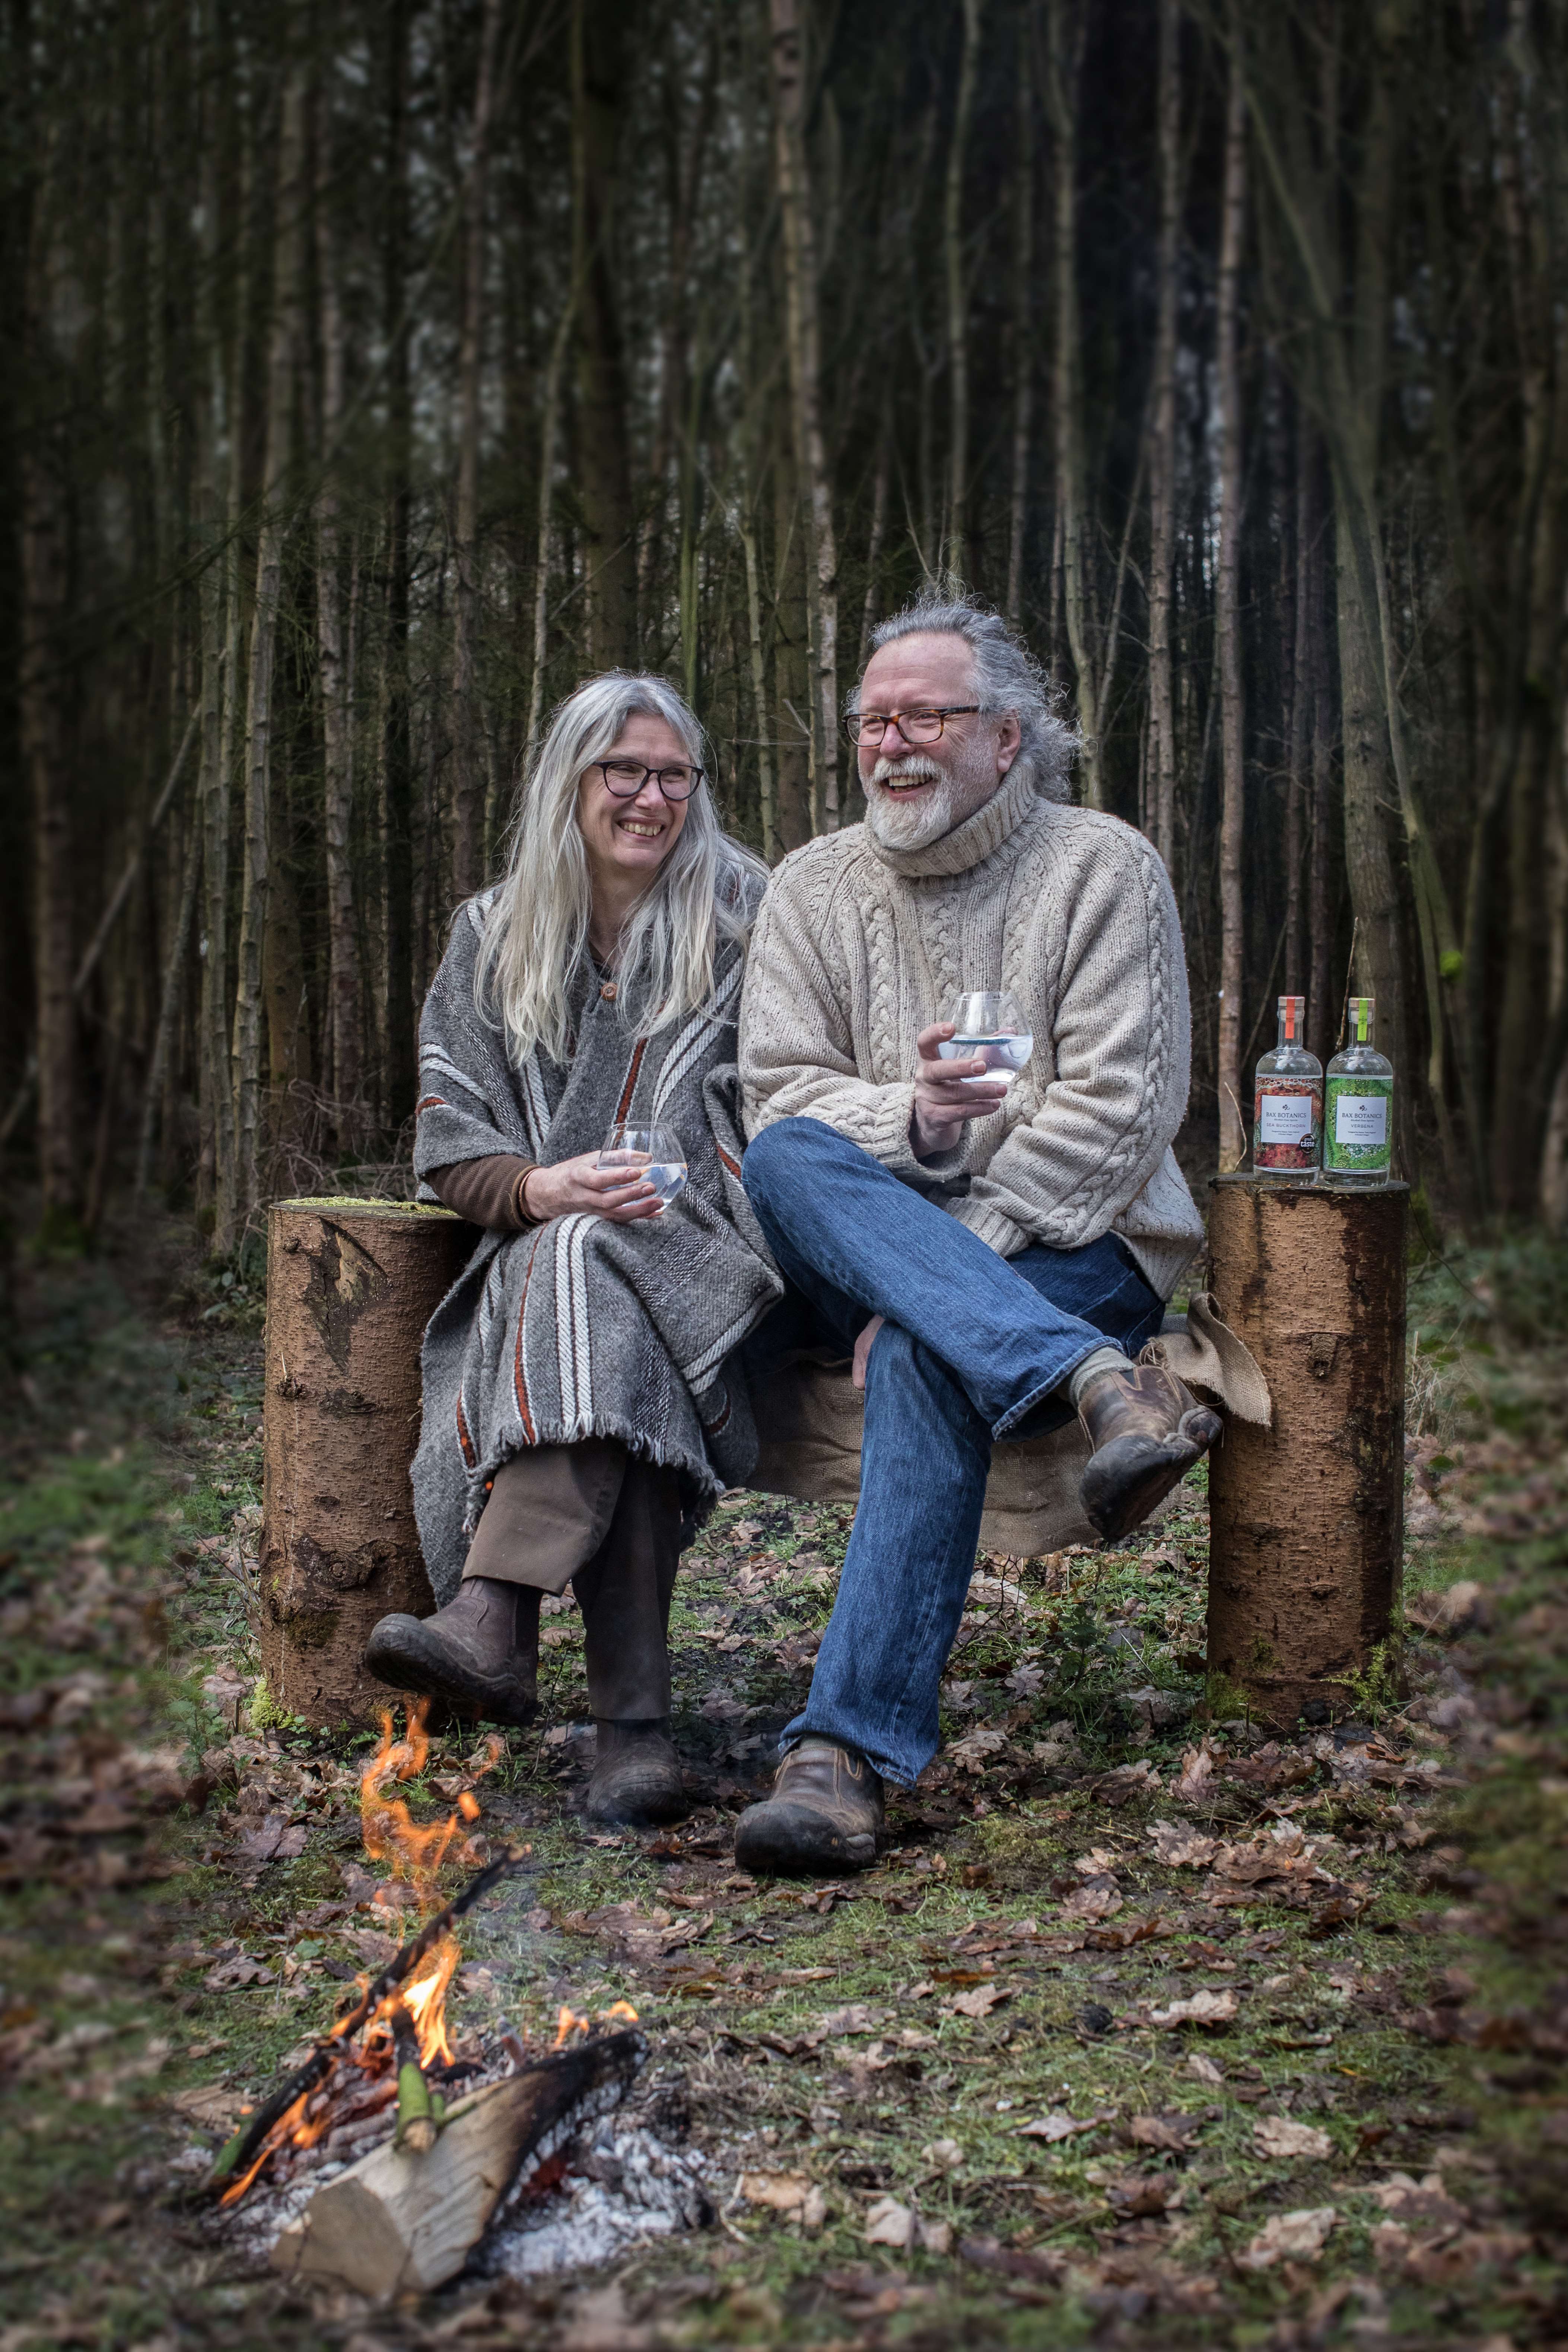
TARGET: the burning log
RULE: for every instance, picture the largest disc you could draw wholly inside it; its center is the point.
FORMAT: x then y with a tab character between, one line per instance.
238	2163
400	2222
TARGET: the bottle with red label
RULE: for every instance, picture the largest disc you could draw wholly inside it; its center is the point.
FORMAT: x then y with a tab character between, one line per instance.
1288	1103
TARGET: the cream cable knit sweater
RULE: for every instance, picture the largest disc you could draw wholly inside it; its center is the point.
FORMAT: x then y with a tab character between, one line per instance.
858	947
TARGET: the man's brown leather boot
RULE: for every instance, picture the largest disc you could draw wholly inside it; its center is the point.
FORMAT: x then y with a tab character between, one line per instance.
824	1815
1147	1429
636	1775
481	1650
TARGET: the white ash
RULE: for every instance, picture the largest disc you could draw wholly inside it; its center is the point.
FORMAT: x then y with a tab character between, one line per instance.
623	2185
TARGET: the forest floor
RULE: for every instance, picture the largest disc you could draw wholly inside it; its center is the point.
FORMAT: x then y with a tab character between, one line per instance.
1145	2031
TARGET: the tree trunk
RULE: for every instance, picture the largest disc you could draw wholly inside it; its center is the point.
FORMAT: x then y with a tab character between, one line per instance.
1066	28
398	1074
1308	1514
803	337
342	1053
282	343
169	998
1023	327
598	127
351	1286
44	733
1162	446
957	549
46	699
468	783
1300	714
1227	622
760	690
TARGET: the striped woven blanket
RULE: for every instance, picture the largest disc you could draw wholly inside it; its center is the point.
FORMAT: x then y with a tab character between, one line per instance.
581	1327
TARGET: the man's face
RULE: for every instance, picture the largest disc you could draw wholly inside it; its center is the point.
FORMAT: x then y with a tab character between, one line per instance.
916	793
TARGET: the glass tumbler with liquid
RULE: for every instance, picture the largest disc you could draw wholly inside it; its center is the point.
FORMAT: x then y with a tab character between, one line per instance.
989	1027
656	1153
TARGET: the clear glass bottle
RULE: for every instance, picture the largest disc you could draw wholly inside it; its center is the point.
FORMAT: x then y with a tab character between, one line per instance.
1358	1127
1288	1103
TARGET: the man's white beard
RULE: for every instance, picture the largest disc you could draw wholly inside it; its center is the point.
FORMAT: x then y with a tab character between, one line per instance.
915	824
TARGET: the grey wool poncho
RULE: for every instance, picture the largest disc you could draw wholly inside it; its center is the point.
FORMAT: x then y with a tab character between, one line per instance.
581	1327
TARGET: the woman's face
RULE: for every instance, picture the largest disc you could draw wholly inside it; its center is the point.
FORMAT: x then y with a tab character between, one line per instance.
632	838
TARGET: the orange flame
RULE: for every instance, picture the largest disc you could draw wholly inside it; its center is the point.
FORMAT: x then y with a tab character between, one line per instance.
414	1855
566	2025
391	1835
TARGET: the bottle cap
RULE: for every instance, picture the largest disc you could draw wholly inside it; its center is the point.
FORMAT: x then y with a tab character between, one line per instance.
1362	1009
1292	1011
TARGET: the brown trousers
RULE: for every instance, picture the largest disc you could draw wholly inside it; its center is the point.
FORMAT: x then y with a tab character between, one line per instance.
608	1524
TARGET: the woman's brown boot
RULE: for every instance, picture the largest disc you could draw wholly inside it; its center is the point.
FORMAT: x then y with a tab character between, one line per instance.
480	1652
636	1776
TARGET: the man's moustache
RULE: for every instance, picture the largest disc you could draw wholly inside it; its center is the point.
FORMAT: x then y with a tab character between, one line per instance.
908	770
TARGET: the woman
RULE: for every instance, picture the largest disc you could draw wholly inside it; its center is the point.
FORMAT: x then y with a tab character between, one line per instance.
583	1401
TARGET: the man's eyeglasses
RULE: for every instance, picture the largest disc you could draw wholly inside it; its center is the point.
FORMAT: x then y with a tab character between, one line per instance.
626	779
914	726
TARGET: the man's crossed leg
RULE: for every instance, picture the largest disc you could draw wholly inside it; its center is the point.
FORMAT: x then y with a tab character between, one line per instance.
973	1347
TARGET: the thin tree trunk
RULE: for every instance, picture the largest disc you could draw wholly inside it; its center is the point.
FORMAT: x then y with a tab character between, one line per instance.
549	438
803	341
958	295
759	690
880	484
281	346
1023	326
170	996
397	767
1065	34
598	127
1162	450
337	781
1227	621
468	785
216	1160
45	746
1300	712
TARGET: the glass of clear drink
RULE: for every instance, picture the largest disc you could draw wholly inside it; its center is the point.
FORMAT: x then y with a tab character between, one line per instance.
989	1027
654	1153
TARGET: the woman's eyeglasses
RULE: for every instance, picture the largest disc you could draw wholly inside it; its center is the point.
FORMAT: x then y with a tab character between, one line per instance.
626	778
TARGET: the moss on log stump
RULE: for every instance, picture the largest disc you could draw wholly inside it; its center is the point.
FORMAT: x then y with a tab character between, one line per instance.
351	1286
1307	1516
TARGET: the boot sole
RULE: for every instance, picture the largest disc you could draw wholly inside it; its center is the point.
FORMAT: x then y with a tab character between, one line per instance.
1122	1482
653	1806
401	1652
794	1844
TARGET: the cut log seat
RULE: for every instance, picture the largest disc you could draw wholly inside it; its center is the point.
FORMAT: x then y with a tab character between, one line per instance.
809	1421
352	1285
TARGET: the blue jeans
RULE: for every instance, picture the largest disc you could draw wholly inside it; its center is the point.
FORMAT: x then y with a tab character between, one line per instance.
973	1349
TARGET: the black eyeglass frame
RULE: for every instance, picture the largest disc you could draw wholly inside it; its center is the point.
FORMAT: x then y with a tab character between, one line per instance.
855	720
676	800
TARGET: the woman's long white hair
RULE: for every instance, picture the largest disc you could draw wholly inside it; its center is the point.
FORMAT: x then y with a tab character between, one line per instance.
537	925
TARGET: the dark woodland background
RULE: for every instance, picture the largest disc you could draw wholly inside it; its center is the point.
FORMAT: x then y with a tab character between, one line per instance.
371	373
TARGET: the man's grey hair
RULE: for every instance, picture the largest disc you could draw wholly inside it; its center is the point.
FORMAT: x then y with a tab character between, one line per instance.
1006	678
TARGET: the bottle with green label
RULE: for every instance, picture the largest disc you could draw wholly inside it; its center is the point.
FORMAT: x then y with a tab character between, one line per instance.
1358	1111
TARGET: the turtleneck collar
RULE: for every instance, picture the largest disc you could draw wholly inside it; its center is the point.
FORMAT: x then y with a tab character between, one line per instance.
969	844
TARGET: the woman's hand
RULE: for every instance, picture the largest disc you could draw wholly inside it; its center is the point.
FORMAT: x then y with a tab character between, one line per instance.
944	1099
580	1186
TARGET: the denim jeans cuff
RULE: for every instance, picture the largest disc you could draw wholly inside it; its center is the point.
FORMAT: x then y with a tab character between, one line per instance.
1016	1413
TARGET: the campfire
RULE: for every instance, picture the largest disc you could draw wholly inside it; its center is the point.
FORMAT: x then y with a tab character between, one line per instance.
366	2118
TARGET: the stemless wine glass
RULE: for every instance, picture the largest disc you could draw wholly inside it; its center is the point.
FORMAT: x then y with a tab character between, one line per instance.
989	1027
656	1153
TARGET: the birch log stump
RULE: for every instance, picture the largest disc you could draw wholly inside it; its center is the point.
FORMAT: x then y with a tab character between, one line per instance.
1307	1516
351	1286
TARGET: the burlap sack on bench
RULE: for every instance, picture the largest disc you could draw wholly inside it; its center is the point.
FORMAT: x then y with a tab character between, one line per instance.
809	1422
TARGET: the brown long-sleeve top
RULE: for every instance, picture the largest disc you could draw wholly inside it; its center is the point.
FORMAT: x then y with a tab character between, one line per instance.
486	1191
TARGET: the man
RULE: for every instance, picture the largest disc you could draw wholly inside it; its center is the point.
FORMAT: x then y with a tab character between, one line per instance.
995	1257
